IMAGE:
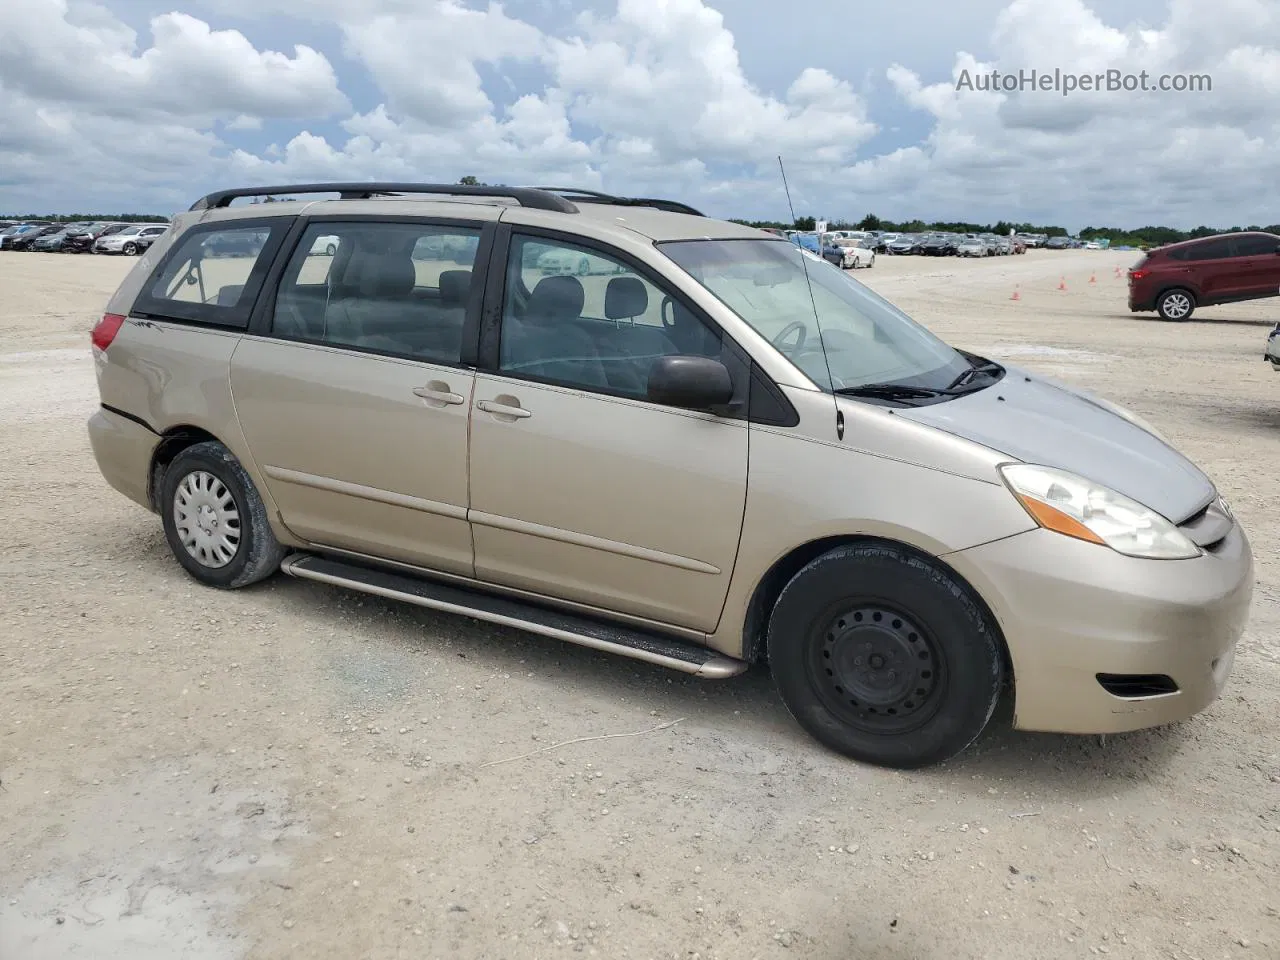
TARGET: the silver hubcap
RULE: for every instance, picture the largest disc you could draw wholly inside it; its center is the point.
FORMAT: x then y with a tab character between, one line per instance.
206	518
1177	305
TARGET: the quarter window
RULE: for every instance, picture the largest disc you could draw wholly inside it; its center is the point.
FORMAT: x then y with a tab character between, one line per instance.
397	288
212	275
579	317
212	267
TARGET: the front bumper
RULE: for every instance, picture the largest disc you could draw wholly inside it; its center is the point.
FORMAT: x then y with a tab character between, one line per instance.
123	450
1072	610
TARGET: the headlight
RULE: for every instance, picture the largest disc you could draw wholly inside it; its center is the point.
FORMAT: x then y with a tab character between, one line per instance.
1076	507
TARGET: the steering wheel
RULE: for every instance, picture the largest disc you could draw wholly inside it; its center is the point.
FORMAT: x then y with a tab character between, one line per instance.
795	326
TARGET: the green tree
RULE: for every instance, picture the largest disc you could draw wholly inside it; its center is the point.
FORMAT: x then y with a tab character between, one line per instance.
806	223
469	181
870	222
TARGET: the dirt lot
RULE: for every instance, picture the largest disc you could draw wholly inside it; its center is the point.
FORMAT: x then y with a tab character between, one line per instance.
295	771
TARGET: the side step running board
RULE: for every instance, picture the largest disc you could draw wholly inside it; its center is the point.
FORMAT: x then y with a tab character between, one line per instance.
585	631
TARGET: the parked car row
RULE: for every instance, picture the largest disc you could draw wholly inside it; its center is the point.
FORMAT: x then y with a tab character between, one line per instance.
943	244
41	236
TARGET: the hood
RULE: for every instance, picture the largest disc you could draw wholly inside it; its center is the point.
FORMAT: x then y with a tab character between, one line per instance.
1038	421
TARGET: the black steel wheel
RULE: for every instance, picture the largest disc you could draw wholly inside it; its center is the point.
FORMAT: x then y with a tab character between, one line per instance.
883	655
877	669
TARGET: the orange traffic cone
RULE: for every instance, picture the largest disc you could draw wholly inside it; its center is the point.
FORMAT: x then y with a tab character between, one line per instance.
1062	284
1117	273
1016	294
1093	278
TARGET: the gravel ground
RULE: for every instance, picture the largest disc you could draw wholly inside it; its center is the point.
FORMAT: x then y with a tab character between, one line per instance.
297	771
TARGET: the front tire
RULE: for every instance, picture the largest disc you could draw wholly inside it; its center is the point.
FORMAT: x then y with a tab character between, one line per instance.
1176	305
884	657
214	519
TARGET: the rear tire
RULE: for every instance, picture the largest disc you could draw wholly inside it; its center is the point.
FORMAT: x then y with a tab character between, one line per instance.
130	249
214	519
884	657
1176	305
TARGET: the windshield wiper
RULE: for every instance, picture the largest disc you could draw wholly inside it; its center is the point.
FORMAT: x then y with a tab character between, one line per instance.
892	391
984	366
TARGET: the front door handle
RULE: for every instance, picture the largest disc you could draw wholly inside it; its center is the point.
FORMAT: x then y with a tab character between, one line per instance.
438	392
512	410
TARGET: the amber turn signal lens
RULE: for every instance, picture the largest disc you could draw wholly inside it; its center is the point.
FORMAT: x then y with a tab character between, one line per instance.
1053	519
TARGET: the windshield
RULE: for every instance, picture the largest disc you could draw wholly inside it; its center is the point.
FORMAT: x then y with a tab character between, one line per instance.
859	336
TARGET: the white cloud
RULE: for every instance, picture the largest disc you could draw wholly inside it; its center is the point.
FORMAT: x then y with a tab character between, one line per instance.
425	60
1118	156
645	96
79	54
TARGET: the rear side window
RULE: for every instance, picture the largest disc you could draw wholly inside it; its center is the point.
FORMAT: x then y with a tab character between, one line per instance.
400	288
1209	250
1255	245
213	274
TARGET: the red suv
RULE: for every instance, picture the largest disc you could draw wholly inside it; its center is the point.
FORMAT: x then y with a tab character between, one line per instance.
1176	279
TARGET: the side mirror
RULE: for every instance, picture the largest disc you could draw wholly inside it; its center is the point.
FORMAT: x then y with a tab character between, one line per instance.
694	383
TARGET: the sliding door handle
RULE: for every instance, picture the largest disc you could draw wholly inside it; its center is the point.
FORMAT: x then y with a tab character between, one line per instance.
436	392
503	409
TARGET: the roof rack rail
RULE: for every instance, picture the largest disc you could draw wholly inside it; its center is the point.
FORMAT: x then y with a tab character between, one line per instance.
594	196
525	196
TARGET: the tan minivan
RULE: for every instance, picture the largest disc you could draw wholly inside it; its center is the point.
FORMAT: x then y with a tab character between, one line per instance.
623	424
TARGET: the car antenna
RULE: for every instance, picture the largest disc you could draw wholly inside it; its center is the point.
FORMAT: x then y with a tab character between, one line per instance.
804	265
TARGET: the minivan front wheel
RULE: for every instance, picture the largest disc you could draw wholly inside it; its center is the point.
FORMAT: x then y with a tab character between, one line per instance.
884	656
214	519
1176	305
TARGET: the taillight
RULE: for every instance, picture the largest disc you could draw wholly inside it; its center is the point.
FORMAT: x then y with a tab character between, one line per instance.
106	329
1138	274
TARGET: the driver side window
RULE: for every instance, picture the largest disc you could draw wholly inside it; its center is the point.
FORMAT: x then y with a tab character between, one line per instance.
579	317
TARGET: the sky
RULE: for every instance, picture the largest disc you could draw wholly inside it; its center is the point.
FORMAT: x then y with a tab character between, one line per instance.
875	107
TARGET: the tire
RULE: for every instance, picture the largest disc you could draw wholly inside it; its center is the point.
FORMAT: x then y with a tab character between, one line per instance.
330	250
938	664
207	475
1176	305
130	249
872	262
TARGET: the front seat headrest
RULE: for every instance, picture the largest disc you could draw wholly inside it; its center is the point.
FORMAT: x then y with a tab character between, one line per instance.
454	287
624	298
556	298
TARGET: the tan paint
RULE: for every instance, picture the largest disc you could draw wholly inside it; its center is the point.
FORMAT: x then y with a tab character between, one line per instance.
657	517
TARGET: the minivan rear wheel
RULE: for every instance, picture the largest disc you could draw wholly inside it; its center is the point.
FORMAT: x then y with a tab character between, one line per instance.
214	519
1176	305
884	657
